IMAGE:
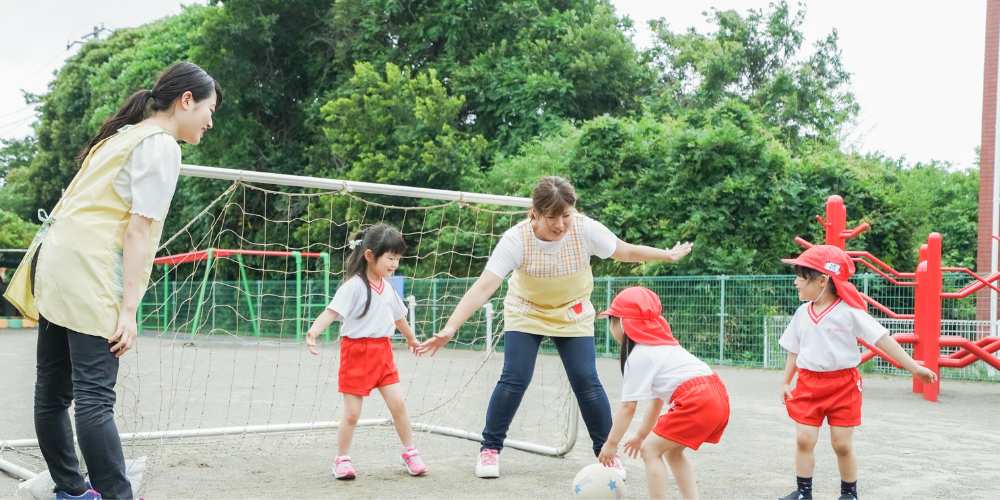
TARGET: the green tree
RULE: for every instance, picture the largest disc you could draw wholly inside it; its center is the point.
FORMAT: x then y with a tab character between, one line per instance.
758	59
15	232
398	128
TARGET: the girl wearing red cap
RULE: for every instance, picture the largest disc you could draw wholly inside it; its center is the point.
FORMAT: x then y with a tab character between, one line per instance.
821	342
548	295
655	367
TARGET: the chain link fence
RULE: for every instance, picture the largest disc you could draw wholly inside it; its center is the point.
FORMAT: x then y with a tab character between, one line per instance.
730	320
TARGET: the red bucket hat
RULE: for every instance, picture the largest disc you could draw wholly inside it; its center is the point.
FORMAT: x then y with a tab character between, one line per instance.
641	314
836	264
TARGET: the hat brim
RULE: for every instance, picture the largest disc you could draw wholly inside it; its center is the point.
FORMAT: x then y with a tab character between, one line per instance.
799	262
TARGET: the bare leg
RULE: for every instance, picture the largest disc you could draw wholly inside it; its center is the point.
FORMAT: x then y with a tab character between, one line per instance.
654	450
805	443
400	420
842	439
352	412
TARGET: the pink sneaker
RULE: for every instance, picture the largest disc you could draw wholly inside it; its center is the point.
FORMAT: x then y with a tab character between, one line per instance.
488	465
414	464
343	468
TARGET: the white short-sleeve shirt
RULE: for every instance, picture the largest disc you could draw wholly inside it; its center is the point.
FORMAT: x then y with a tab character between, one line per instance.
148	180
826	340
655	371
385	309
509	252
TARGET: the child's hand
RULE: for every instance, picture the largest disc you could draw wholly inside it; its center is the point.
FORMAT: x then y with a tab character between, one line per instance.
633	447
413	345
436	342
925	374
607	455
311	342
680	250
786	392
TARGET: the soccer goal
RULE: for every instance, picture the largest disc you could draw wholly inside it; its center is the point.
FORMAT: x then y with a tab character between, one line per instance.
221	366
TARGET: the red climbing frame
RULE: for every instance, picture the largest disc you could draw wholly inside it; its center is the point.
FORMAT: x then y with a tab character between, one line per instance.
928	283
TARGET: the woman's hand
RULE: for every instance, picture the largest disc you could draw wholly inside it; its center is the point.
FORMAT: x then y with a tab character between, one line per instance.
125	333
439	340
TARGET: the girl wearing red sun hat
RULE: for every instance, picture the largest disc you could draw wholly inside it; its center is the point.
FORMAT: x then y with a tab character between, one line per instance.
821	342
655	367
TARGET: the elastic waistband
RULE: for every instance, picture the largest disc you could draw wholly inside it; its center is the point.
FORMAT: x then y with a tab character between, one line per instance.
831	374
697	381
365	340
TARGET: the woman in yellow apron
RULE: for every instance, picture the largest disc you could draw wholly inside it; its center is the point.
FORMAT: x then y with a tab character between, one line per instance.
89	265
548	295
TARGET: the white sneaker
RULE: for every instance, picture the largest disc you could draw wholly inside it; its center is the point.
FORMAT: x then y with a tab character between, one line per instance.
488	465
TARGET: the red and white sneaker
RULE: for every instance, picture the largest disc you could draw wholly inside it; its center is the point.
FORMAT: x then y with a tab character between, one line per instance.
343	468
414	464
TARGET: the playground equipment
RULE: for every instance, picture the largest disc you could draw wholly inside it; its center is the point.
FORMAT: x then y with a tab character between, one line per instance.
927	282
211	256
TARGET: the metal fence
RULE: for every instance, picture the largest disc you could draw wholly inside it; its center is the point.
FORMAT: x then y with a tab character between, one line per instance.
732	320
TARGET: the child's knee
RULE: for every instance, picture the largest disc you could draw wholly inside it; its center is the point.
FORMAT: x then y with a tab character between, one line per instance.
351	417
842	447
805	441
650	452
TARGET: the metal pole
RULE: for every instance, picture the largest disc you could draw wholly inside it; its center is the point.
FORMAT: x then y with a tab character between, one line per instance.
722	318
607	324
351	186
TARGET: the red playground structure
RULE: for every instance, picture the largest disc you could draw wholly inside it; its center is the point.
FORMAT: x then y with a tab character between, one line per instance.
927	281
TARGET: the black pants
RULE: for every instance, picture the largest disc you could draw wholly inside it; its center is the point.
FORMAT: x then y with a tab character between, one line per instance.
75	366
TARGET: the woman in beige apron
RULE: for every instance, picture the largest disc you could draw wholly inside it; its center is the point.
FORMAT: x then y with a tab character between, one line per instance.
548	296
89	265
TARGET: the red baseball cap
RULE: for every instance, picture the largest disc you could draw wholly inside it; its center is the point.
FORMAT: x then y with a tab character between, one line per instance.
641	314
835	263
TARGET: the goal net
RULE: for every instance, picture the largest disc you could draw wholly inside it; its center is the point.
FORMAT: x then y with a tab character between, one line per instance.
220	377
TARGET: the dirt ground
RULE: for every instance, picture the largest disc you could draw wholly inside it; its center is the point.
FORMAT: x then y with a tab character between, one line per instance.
907	448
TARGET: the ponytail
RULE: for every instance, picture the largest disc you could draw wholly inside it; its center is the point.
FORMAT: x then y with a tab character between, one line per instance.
172	84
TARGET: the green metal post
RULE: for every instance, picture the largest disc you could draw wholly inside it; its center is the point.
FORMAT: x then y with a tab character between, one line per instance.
325	257
298	295
246	294
166	297
201	291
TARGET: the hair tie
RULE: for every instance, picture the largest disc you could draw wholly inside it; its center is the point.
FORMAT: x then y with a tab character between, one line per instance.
353	244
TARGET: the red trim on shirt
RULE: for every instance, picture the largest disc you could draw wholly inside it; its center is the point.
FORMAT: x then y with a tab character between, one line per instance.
816	318
379	287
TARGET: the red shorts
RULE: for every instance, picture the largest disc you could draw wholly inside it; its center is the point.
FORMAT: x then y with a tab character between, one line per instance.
365	364
699	413
835	396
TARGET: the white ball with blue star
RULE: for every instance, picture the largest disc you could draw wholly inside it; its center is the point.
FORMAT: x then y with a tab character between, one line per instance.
598	481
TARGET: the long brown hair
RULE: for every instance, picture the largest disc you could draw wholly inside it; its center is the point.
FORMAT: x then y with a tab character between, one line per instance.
172	83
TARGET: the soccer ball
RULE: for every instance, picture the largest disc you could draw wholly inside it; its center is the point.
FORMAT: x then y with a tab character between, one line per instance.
598	481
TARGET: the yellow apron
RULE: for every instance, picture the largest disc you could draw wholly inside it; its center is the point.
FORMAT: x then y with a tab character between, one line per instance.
78	280
549	294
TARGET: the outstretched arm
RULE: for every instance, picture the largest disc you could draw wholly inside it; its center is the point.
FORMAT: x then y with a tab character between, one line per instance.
474	298
893	349
627	252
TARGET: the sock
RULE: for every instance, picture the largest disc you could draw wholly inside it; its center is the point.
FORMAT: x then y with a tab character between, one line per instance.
805	485
849	488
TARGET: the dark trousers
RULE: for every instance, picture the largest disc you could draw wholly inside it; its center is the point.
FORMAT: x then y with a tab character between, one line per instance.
578	358
77	367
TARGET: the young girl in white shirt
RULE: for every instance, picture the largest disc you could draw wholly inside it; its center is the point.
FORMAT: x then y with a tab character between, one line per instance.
655	367
371	311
